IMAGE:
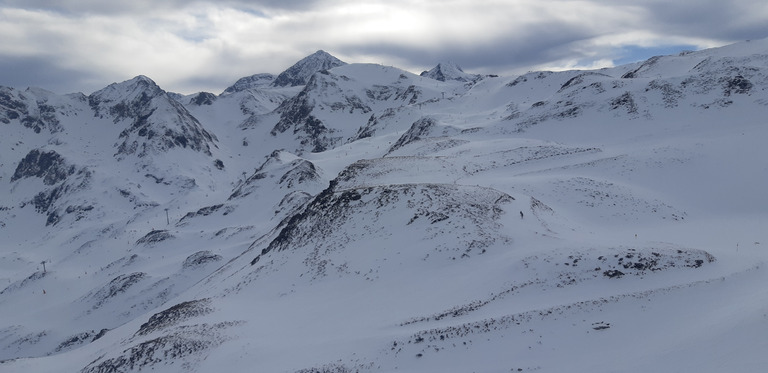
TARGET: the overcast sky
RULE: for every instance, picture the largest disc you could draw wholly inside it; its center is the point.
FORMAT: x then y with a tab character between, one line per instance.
190	46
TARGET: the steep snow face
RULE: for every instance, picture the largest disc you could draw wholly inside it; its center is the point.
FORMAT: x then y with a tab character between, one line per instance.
157	122
377	221
450	71
353	102
299	74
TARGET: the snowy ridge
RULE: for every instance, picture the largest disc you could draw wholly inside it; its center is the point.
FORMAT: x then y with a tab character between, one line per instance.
361	218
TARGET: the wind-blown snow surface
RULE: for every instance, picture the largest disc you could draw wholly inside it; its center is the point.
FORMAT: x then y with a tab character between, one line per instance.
376	220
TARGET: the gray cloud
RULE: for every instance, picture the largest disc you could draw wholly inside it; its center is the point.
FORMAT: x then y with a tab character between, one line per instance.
723	20
733	20
501	54
22	72
204	45
147	6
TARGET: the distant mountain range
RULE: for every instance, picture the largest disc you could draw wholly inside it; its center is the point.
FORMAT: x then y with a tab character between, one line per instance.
344	217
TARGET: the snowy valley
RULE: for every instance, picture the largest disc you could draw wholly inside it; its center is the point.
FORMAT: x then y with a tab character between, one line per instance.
345	217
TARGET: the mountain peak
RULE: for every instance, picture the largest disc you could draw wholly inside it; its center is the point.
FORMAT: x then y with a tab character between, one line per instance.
249	82
321	54
141	82
449	70
449	66
301	71
156	122
142	78
129	89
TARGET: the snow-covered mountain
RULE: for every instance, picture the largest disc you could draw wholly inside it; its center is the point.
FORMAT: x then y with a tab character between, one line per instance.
450	71
299	73
255	81
360	218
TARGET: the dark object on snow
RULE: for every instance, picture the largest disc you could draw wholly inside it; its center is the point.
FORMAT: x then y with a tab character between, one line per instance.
613	273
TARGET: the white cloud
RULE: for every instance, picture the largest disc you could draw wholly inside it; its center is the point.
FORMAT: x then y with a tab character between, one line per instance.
188	46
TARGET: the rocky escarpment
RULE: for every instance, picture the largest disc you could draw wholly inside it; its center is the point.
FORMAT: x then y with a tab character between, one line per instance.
32	111
203	98
47	165
60	178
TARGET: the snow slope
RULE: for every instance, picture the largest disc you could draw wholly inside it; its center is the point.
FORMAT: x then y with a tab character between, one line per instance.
369	219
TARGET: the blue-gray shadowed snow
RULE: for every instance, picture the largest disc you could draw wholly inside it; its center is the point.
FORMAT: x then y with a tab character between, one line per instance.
357	217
